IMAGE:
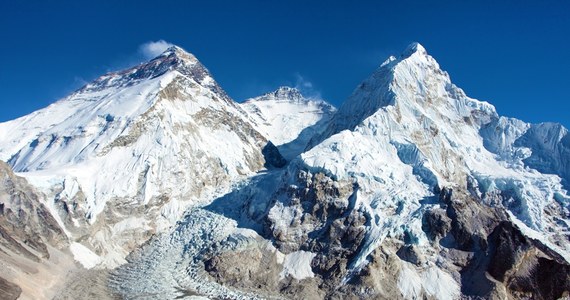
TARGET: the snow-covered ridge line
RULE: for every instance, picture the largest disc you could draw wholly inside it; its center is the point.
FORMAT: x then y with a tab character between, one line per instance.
146	142
288	118
409	126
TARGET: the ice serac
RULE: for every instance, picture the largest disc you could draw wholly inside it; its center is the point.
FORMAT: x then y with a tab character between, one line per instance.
125	155
288	118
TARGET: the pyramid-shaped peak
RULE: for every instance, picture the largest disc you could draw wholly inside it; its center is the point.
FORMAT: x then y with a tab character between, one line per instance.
175	49
415	84
283	93
414	48
179	52
174	58
288	92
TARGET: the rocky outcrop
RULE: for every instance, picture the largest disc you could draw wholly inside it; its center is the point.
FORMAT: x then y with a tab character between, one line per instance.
254	267
272	156
476	244
501	262
524	268
8	290
29	237
20	204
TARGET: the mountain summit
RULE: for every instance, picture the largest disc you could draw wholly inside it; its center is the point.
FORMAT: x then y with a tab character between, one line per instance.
414	48
288	118
282	93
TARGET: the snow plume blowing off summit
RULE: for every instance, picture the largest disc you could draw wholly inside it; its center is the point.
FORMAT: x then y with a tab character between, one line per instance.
153	49
158	183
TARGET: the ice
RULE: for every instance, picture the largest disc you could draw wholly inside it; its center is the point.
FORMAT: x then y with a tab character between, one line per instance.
83	255
158	138
298	265
431	280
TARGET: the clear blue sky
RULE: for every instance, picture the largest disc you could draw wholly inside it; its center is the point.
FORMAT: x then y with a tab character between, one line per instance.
514	54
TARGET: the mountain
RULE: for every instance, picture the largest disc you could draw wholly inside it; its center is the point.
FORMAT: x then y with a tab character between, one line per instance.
160	185
288	118
412	190
123	157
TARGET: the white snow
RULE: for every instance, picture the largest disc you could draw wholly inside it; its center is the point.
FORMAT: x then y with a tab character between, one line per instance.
84	255
288	119
298	265
429	280
407	128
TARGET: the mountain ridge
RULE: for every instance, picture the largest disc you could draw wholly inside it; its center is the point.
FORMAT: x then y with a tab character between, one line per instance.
288	118
150	140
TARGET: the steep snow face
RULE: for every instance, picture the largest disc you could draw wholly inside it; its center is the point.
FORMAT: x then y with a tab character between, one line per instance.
148	141
298	265
407	130
289	119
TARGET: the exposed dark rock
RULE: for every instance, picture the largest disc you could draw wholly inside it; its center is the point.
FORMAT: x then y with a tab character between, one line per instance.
21	205
436	224
503	260
471	222
326	224
272	156
518	262
410	254
8	290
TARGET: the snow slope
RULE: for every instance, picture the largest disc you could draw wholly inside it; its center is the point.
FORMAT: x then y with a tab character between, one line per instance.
288	119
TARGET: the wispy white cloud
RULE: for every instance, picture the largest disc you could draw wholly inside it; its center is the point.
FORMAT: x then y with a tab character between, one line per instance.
306	87
79	81
154	48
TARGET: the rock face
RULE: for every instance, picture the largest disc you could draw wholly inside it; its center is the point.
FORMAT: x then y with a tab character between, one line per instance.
20	204
272	156
29	236
9	290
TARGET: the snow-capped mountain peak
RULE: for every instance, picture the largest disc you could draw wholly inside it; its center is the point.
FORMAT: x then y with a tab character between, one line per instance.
414	48
412	189
409	115
412	82
156	138
283	93
179	51
288	118
172	59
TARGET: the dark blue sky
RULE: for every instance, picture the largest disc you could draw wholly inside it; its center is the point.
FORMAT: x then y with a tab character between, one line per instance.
514	54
